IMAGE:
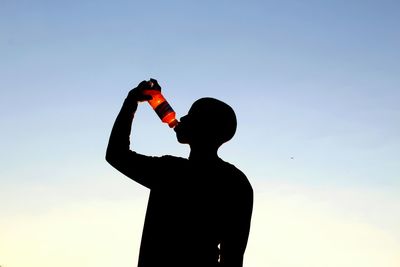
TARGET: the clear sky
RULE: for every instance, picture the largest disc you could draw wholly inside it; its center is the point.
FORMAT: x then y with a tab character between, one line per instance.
315	85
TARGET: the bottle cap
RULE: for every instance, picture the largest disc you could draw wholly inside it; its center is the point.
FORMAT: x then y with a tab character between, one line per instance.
173	123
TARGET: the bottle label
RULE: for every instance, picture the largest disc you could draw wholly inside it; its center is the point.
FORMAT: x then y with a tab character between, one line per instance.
163	109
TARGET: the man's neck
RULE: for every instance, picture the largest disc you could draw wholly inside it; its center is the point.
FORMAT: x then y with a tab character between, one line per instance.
203	153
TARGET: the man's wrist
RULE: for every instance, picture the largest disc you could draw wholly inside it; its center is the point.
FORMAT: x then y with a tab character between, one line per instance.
130	105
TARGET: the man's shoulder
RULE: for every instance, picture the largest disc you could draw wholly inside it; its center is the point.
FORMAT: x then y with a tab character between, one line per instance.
172	161
237	176
173	158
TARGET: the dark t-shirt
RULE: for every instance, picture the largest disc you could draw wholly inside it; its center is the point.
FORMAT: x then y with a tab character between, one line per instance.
198	211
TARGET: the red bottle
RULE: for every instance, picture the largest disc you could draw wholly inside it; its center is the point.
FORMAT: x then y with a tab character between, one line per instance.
160	105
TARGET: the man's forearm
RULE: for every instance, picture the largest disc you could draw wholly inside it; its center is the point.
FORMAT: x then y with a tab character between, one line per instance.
118	143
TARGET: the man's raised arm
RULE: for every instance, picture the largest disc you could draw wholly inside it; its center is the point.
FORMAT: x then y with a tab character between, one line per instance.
118	152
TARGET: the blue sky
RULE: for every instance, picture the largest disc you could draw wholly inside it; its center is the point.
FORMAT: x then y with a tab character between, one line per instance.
313	80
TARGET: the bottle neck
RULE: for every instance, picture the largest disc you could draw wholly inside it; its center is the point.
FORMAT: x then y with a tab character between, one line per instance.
173	123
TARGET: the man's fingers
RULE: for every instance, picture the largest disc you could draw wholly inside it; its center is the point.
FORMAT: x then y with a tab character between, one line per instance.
145	97
143	85
155	84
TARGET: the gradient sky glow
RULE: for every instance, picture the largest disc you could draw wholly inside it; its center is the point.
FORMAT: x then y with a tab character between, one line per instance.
315	85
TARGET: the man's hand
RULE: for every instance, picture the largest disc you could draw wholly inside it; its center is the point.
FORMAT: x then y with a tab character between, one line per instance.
137	94
154	85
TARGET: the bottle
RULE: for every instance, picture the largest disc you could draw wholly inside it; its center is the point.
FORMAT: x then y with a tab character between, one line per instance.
160	105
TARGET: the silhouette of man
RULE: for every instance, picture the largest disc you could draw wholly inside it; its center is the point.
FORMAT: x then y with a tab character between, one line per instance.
199	209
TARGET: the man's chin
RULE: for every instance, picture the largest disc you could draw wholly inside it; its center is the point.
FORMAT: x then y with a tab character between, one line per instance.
182	140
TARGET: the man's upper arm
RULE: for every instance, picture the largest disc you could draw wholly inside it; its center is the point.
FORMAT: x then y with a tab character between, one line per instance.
237	228
143	169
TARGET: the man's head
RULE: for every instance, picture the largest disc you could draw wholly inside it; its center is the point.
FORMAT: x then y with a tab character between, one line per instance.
209	122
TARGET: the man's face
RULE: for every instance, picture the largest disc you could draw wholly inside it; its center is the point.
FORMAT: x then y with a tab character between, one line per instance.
192	128
184	130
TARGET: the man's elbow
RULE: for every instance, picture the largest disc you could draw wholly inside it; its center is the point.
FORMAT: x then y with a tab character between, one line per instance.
111	157
116	157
